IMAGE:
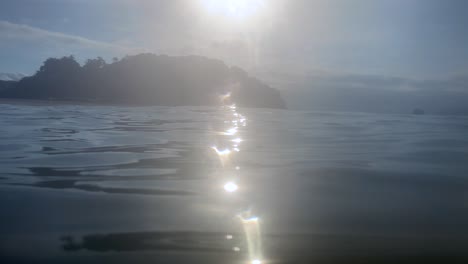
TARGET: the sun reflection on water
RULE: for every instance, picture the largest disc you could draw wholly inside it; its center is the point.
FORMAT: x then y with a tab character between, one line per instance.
223	152
237	140
231	140
251	225
231	131
225	97
230	187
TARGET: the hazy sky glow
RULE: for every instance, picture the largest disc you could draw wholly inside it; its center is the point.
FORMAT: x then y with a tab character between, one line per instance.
413	38
417	40
234	9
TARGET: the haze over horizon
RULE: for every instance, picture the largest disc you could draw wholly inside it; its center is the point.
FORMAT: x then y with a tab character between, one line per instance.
331	55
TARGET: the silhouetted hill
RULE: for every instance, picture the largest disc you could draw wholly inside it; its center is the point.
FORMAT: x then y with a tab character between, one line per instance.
4	85
144	79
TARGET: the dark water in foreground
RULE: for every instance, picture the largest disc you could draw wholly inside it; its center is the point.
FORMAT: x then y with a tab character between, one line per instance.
102	184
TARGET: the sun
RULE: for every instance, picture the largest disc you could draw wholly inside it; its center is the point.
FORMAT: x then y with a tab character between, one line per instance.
235	9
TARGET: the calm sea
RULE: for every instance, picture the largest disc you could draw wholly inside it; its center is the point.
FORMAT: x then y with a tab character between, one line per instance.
199	185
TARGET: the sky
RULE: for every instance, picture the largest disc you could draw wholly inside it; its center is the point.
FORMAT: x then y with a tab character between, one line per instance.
299	46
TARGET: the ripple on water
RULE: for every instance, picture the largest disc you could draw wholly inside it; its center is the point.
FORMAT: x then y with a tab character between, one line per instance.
84	159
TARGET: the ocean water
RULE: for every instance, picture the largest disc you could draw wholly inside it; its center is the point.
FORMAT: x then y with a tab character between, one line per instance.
204	185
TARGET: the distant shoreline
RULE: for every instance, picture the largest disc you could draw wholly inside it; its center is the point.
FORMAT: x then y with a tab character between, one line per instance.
54	102
37	102
142	80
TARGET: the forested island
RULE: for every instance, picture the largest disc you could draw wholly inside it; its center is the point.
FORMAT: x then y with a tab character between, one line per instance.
144	79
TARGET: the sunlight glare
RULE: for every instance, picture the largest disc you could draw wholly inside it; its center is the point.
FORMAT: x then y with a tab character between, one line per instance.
237	140
252	219
233	8
230	187
223	152
230	132
225	97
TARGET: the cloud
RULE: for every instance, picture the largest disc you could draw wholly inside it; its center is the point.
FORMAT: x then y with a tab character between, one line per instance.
4	76
11	31
321	79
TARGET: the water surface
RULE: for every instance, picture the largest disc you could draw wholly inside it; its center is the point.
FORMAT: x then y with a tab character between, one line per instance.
144	184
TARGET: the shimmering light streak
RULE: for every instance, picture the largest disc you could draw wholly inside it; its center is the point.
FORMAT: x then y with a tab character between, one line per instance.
231	131
223	152
250	220
237	140
252	233
250	223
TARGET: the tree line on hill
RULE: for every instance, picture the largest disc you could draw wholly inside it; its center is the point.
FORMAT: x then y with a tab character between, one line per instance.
143	79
